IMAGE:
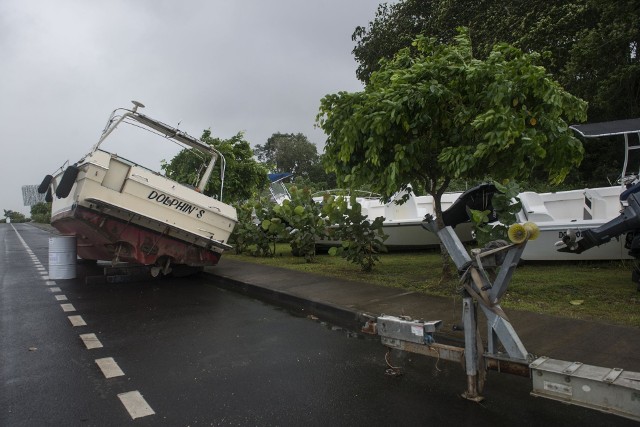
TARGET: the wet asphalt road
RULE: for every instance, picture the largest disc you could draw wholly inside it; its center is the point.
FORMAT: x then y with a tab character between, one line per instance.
200	355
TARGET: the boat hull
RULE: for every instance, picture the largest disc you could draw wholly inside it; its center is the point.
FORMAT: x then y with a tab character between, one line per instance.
544	247
409	235
103	237
576	210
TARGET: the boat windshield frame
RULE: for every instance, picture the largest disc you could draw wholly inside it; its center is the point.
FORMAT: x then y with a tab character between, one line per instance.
157	127
614	128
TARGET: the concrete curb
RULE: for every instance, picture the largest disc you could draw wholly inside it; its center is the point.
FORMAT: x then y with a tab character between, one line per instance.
349	319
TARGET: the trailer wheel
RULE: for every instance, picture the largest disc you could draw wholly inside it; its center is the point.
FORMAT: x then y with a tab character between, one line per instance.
67	181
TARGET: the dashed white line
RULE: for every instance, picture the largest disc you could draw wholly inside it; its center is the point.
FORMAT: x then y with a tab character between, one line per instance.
77	320
67	307
109	367
91	341
133	401
135	404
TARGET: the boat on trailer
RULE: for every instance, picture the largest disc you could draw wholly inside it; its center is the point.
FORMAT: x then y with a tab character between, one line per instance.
121	211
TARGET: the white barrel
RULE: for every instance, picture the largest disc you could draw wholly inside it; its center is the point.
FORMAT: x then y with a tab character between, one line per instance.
62	257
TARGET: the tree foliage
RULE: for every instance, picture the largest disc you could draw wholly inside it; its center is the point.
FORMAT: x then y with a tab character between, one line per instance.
362	239
301	221
304	222
294	153
288	152
14	216
506	204
591	47
41	213
438	113
244	177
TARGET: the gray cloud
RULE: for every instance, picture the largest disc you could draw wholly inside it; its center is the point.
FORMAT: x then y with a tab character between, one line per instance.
248	65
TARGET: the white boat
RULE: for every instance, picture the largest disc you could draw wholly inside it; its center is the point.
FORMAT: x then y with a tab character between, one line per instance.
403	222
563	216
559	214
121	211
277	190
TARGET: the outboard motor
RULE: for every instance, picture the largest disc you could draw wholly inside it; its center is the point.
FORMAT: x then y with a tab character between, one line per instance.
628	221
476	198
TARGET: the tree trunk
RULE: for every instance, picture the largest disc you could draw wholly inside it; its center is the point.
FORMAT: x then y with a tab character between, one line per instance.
447	270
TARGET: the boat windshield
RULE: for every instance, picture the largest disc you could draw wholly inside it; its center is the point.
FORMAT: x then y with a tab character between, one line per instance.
146	149
141	148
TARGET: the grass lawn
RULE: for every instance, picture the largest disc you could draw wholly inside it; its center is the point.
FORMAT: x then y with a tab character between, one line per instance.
600	291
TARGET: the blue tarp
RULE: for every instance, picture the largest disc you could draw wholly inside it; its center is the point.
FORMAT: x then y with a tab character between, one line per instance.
275	177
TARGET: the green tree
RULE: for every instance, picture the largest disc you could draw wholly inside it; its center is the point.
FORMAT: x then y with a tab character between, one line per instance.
362	239
14	216
244	177
288	152
441	114
590	47
259	228
603	64
41	213
394	27
304	222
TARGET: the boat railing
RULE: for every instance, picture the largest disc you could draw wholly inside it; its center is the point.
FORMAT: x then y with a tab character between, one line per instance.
346	192
626	128
157	127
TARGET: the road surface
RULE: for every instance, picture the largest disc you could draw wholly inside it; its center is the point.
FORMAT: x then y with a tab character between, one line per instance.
186	353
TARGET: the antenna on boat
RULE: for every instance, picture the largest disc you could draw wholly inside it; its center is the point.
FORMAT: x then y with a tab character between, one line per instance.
137	104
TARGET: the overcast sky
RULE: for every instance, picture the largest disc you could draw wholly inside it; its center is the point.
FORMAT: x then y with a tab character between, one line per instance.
239	65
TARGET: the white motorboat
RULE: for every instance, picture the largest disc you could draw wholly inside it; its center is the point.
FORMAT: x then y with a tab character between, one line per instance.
560	214
563	216
403	222
121	211
277	190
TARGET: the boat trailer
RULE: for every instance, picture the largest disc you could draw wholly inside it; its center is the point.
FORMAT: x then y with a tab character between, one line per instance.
485	276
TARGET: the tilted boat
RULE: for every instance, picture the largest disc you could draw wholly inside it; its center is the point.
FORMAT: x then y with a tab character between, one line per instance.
121	211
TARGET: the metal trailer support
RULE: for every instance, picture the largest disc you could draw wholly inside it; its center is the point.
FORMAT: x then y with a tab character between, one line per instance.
478	287
478	291
609	390
471	349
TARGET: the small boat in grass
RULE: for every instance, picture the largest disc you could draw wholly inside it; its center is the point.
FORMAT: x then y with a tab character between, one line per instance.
566	214
121	211
563	216
403	222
